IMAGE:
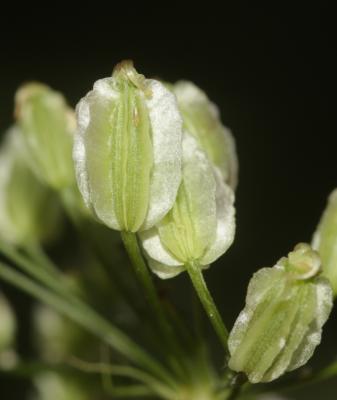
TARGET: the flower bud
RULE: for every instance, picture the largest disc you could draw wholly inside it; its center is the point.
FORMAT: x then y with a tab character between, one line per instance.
325	240
200	227
29	211
128	149
55	386
202	120
55	337
7	324
47	125
281	324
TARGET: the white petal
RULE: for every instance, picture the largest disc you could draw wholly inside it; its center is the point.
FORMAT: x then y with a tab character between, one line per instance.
192	97
225	221
166	125
103	93
164	271
313	336
83	117
6	164
199	182
154	248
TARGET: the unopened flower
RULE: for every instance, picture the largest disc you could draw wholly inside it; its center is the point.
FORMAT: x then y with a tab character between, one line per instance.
202	120
200	227
56	386
29	211
128	149
281	324
325	240
54	336
47	125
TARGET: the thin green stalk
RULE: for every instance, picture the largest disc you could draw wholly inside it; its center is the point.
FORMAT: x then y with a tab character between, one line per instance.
129	391
37	254
123	371
326	373
41	269
131	244
31	369
83	226
208	303
240	381
47	273
88	319
132	247
69	200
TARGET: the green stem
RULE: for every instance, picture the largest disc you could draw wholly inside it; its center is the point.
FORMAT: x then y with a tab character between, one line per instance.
91	234
41	268
91	237
326	373
37	254
132	247
123	371
237	386
208	303
30	369
131	244
88	319
130	391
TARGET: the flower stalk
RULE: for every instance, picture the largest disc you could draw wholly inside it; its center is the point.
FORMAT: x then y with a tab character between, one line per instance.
130	241
208	303
88	319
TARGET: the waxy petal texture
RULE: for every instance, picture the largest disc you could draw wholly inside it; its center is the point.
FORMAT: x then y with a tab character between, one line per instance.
128	150
281	324
202	120
200	226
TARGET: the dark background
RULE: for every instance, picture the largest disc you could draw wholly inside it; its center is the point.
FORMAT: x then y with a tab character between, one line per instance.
272	74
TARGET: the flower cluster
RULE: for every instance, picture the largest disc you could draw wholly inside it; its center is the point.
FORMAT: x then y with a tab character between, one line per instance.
155	159
154	162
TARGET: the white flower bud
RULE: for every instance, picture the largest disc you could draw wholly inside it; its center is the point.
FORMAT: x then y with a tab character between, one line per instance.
54	386
202	120
47	126
128	150
29	211
281	324
200	227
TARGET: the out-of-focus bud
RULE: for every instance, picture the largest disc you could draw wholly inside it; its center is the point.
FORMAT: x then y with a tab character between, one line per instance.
128	149
7	324
29	211
201	225
281	324
201	119
47	126
55	337
325	240
53	386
